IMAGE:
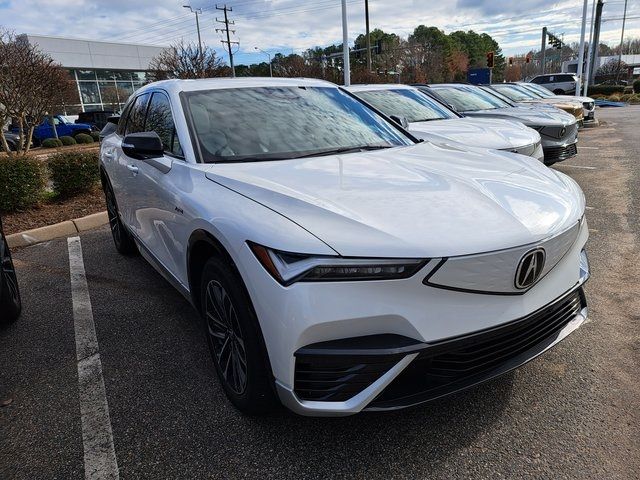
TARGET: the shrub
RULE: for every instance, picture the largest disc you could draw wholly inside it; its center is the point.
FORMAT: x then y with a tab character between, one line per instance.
636	86
635	99
52	143
22	182
73	172
615	97
606	89
95	136
84	138
66	141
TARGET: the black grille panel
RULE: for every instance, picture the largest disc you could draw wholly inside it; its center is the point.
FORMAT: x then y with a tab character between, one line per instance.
450	365
558	154
327	378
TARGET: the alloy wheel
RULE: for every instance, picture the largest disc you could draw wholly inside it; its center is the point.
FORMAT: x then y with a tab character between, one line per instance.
225	335
112	213
9	276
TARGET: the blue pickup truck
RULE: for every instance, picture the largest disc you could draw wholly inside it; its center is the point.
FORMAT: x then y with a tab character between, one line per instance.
64	127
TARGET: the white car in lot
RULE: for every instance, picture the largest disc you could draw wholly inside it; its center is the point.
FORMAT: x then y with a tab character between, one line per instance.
431	120
338	264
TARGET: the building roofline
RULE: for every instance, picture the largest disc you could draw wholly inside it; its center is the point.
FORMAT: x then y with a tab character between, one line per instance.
57	37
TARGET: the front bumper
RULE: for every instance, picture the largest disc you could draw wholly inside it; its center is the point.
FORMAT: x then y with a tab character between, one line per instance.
340	348
389	372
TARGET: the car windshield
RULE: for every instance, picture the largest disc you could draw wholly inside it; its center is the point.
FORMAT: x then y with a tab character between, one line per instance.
469	99
408	103
275	123
514	92
543	92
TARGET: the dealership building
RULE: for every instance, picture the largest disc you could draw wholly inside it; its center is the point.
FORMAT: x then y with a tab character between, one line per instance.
105	73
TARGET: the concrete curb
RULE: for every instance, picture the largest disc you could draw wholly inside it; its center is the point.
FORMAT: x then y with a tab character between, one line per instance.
57	230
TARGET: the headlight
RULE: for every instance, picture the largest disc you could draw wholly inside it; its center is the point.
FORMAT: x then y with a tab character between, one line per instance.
288	268
585	272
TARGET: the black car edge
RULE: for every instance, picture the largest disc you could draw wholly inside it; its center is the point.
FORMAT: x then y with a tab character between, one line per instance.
10	302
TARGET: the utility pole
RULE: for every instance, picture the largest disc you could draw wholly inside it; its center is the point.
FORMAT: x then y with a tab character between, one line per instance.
624	19
543	49
345	45
198	11
596	39
581	51
228	41
589	52
366	16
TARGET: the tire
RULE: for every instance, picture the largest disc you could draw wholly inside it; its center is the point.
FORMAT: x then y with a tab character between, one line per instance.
10	302
122	239
235	340
87	132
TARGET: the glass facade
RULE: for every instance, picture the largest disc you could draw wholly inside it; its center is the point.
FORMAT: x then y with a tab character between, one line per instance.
105	89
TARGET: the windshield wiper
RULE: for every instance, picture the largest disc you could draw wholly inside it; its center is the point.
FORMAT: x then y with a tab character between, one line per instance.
336	151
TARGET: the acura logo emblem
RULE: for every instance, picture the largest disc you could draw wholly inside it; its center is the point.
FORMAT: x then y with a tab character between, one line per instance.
562	132
530	268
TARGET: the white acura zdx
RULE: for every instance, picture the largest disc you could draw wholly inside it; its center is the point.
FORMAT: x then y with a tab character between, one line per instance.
339	264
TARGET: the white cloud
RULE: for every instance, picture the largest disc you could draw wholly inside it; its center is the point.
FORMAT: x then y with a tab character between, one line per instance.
286	25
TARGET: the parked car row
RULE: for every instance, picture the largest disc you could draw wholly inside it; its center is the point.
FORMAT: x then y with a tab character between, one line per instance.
352	249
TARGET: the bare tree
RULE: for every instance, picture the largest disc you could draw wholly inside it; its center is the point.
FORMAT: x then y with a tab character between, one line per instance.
183	60
31	85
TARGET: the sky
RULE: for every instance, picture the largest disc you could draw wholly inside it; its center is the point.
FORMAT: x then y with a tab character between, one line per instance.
294	25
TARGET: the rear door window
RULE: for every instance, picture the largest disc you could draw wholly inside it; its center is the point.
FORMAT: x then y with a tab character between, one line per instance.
135	122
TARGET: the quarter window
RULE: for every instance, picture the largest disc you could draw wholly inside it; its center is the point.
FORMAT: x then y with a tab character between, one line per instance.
160	120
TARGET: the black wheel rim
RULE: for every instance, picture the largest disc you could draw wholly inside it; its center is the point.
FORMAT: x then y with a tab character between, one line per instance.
112	213
226	337
9	275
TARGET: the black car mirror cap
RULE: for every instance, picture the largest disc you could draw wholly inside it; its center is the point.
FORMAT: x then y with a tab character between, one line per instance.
400	120
143	145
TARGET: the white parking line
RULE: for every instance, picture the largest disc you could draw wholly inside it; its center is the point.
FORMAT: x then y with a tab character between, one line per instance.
577	166
97	438
589	148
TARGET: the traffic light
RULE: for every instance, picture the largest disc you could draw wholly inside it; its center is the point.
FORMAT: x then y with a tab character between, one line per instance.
511	61
490	59
378	46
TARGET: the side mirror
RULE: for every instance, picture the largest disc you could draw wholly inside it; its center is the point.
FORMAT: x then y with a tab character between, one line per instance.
400	120
143	146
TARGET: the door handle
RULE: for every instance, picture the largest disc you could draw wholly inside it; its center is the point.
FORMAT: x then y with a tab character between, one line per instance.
108	155
133	169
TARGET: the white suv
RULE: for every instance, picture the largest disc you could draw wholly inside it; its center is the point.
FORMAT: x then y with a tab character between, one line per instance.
558	83
338	264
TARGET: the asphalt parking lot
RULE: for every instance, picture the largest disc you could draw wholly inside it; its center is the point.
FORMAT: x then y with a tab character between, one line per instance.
572	413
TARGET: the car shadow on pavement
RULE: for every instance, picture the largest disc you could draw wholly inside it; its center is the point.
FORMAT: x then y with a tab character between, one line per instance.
375	444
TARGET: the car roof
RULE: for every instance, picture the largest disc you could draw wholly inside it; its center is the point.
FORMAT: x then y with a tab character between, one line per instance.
177	86
367	87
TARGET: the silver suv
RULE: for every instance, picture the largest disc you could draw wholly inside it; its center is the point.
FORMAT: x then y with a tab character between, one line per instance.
558	83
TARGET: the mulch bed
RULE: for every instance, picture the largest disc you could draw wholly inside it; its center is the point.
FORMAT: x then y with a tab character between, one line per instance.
54	211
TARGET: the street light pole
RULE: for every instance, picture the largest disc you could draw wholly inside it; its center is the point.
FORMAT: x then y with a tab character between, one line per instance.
268	55
198	11
581	50
345	45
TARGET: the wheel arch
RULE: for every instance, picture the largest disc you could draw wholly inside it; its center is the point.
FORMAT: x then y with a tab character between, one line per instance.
203	245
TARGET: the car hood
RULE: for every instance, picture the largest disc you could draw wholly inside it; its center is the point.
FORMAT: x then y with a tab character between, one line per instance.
530	116
420	201
571	97
477	132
